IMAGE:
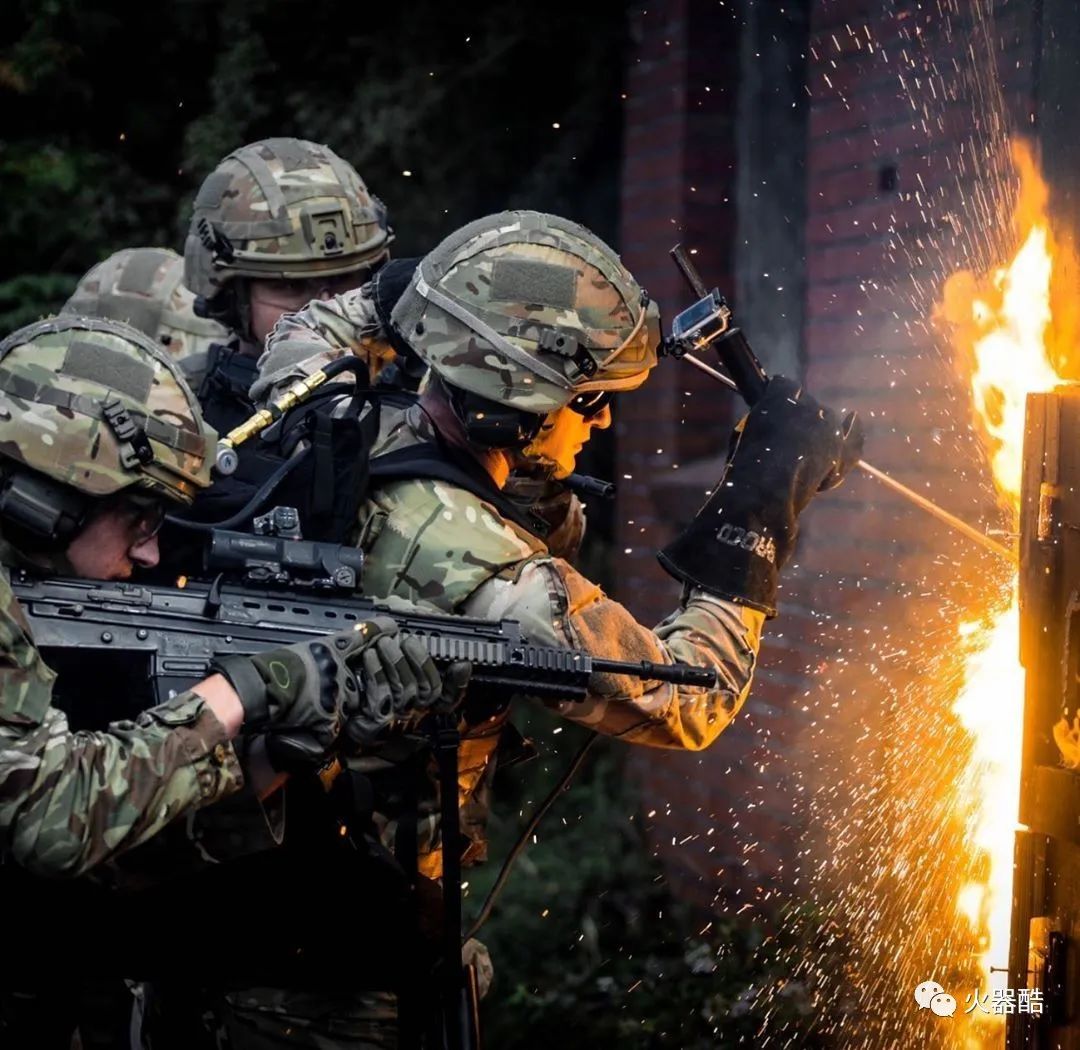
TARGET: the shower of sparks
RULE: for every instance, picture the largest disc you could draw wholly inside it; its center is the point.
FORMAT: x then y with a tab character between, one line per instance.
912	715
990	708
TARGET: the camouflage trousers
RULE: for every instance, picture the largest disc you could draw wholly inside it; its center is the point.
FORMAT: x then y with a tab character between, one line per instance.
271	1019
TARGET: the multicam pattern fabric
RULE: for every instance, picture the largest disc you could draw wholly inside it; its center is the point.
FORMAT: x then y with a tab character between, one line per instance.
143	287
603	313
72	801
528	310
346	324
56	379
433	543
429	541
282	208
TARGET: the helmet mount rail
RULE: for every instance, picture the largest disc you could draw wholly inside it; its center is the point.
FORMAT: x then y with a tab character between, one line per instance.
134	444
214	241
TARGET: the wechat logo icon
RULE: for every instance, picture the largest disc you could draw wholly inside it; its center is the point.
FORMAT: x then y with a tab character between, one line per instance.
931	996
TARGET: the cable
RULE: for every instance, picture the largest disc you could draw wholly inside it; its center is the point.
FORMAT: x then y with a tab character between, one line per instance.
263	493
523	838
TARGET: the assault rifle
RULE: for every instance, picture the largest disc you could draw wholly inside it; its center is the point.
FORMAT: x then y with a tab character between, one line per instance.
270	589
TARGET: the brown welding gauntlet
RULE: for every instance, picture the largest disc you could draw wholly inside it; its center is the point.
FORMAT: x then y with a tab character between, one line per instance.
790	448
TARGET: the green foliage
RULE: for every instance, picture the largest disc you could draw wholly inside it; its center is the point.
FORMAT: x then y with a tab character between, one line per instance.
32	296
114	112
589	947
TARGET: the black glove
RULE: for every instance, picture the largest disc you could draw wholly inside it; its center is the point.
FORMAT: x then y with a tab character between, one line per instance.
301	695
401	682
789	449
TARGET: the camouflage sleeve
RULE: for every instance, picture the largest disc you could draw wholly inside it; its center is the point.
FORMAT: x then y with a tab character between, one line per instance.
303	342
556	605
69	801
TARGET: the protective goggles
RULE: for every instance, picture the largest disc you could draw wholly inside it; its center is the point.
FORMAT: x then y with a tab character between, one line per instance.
148	515
591	403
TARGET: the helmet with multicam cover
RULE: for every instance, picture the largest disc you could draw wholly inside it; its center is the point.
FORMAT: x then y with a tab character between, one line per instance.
530	311
282	209
144	288
96	406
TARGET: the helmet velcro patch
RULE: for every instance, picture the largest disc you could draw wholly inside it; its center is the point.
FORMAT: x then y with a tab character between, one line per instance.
119	372
532	281
293	154
139	271
143	314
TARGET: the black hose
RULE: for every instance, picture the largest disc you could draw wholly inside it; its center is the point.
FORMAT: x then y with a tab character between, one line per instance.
262	494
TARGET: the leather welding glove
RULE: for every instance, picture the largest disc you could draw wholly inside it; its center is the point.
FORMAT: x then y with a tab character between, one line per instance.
790	448
303	695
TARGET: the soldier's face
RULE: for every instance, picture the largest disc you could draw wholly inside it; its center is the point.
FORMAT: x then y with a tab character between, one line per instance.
271	299
117	538
563	436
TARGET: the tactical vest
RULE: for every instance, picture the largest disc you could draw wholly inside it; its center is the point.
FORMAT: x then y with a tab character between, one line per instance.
434	528
223	388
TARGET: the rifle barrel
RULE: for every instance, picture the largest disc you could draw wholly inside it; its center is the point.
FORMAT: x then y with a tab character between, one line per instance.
680	674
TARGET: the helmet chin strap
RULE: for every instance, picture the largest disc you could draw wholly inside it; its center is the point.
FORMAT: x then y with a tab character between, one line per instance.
241	309
534	461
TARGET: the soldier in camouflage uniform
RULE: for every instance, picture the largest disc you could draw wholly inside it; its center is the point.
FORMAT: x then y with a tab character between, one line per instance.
276	224
283	222
529	324
143	287
98	435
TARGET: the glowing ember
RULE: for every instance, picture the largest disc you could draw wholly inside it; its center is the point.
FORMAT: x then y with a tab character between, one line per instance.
1001	324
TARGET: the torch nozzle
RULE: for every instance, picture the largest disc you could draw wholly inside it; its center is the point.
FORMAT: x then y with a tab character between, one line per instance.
1008	553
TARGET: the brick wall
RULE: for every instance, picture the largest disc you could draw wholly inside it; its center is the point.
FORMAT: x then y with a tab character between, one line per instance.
678	186
897	143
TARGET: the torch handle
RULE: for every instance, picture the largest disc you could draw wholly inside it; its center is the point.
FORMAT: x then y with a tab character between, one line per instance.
742	364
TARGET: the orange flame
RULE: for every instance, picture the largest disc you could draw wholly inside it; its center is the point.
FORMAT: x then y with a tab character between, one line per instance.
1002	324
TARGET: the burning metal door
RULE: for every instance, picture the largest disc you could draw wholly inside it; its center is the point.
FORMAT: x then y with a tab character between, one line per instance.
1046	885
